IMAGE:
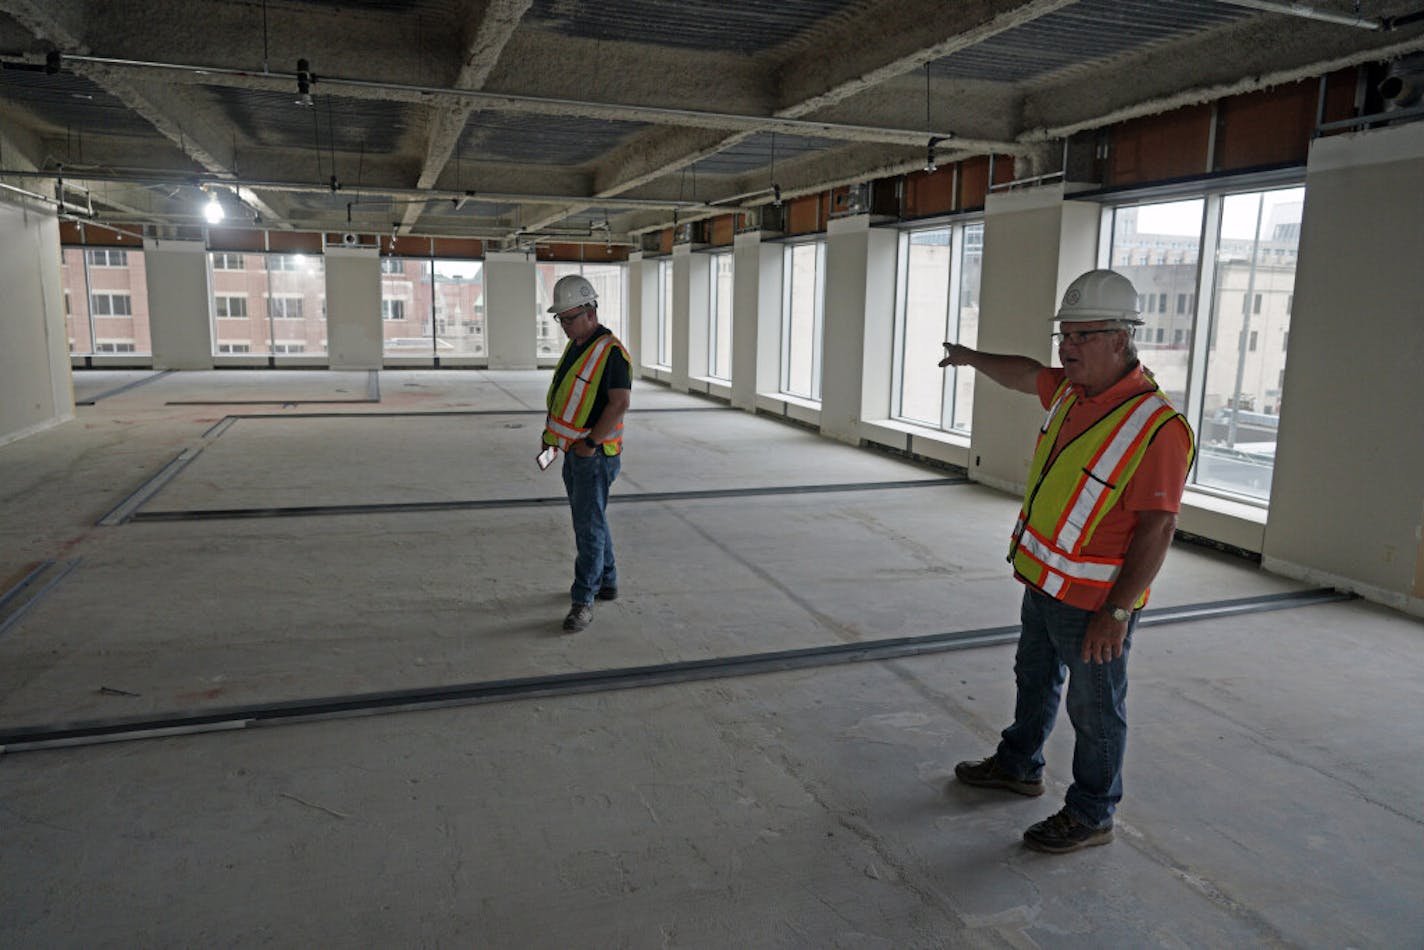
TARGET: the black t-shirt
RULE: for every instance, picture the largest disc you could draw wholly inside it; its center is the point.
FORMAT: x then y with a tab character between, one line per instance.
617	374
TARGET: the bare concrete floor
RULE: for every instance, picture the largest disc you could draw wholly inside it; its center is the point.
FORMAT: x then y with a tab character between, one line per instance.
1275	776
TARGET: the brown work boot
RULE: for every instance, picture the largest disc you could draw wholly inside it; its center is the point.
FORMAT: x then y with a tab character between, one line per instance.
1061	833
988	774
579	617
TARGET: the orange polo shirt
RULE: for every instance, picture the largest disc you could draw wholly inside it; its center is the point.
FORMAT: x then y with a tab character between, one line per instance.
1155	486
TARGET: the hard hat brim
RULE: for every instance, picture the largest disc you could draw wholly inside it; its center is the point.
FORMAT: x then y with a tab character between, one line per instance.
1085	316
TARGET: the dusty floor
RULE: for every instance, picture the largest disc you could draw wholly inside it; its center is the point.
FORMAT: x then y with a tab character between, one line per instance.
1275	775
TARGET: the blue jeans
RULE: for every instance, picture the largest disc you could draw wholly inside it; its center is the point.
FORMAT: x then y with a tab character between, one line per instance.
587	480
1050	646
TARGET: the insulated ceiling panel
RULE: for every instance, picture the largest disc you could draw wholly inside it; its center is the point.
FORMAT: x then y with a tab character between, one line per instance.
540	140
759	151
449	10
1082	34
273	119
66	102
713	25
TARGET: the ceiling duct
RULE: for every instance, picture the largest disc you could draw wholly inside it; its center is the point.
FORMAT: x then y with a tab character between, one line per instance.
1403	84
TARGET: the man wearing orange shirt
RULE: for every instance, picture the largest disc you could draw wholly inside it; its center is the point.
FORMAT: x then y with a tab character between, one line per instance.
1104	489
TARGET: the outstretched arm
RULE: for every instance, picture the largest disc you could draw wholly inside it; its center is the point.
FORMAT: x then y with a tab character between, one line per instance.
1012	372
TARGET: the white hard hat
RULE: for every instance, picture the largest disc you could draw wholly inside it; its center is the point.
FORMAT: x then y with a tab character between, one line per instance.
1100	295
572	291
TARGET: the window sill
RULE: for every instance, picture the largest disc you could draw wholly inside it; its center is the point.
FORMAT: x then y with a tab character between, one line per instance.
948	447
805	411
1234	523
708	386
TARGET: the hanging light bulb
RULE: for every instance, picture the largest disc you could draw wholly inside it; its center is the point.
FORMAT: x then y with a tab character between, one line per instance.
213	210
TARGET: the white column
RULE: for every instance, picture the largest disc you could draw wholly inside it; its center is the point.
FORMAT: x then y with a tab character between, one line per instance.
178	304
35	387
648	318
633	332
756	318
511	310
1035	243
1347	495
859	326
681	298
353	308
699	294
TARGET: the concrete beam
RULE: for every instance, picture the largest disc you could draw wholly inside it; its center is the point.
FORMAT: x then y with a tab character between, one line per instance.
813	80
1251	56
195	134
447	122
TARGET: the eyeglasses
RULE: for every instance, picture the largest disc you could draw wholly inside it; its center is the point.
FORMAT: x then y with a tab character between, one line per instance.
566	319
1079	336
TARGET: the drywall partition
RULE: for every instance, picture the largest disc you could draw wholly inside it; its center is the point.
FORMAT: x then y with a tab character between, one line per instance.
353	307
1347	497
35	388
756	318
1035	243
179	304
859	326
511	310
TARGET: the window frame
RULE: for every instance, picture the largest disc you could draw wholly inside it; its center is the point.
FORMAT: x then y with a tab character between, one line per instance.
714	369
1202	303
818	314
662	358
958	226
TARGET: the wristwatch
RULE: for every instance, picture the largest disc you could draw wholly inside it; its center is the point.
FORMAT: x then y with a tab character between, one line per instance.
588	440
1121	615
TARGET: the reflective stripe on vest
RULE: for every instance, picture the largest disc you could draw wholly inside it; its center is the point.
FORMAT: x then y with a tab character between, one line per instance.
1059	516
571	399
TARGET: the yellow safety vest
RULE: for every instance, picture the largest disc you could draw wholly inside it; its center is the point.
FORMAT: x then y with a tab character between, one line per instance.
1067	498
571	398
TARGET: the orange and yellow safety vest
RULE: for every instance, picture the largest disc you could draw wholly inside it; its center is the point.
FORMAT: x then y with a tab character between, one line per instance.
1068	494
570	399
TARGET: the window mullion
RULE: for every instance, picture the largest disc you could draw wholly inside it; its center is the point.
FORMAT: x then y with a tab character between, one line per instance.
951	322
1205	314
902	310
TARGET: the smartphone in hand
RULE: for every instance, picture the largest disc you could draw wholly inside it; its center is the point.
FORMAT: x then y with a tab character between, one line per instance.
546	457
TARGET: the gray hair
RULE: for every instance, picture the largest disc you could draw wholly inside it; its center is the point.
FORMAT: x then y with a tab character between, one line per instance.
1131	328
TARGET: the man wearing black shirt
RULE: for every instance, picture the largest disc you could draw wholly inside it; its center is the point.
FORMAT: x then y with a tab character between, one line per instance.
591	434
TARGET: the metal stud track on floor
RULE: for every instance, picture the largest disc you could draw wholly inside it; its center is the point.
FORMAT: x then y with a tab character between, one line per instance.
30	738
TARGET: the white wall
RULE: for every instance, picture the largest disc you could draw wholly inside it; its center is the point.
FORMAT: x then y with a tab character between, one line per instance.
353	307
699	290
178	302
756	318
681	314
633	330
35	387
1347	498
511	309
859	326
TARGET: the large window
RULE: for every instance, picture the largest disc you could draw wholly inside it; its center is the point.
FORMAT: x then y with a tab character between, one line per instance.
937	302
106	301
607	280
802	311
267	304
432	308
719	318
459	288
1222	363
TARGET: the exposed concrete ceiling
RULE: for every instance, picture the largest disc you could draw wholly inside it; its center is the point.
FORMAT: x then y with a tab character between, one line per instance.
507	119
